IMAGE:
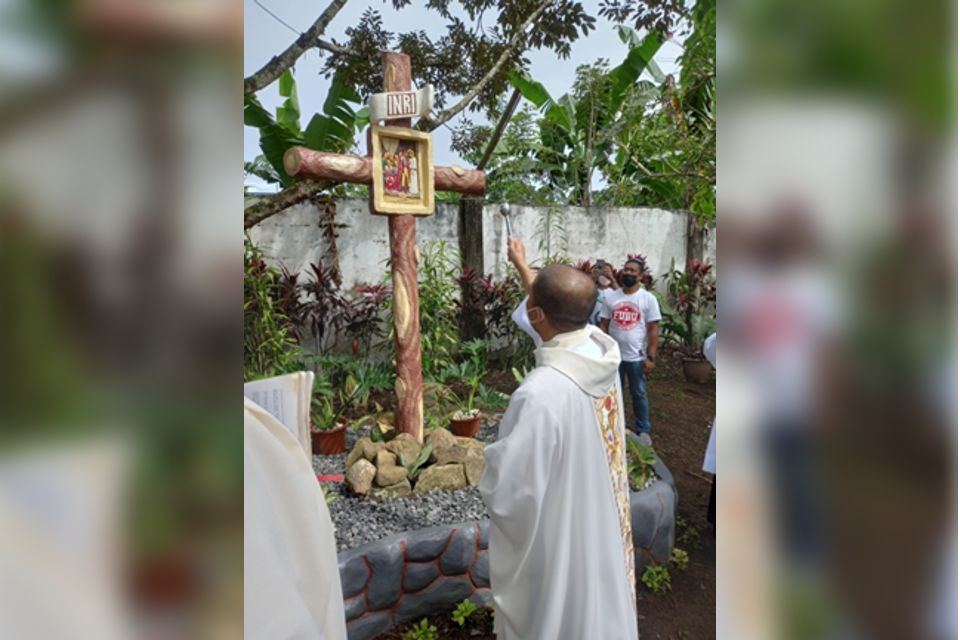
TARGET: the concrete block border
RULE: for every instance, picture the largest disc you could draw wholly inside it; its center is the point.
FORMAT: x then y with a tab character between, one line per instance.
413	574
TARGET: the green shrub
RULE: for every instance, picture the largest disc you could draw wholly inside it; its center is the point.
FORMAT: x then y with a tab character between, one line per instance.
422	631
656	578
640	461
269	336
680	558
463	611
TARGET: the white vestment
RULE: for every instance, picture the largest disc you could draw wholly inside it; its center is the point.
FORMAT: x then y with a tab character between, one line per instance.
555	485
290	572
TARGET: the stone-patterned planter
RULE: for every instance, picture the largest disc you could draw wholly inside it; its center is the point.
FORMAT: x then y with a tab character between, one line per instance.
413	574
653	518
416	573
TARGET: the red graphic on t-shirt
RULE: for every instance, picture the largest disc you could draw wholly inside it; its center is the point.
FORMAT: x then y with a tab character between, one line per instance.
626	315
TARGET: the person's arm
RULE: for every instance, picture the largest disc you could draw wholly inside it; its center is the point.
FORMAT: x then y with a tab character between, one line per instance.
605	314
653	343
653	332
517	254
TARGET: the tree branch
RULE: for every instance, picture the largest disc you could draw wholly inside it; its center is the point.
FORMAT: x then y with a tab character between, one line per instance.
280	63
333	48
291	195
429	124
501	126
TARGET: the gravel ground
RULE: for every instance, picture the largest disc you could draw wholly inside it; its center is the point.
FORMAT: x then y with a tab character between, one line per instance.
358	521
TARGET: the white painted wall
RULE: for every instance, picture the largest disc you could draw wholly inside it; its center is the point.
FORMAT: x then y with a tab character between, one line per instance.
295	239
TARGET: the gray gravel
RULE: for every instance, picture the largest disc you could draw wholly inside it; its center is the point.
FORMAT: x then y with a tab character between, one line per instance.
358	521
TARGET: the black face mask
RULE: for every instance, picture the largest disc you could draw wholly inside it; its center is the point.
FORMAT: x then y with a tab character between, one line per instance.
628	281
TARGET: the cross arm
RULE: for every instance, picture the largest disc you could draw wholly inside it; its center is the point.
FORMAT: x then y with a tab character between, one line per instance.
301	162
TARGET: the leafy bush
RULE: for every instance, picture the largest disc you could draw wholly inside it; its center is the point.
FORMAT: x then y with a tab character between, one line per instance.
640	461
680	558
656	578
269	343
422	631
491	399
463	611
439	327
690	307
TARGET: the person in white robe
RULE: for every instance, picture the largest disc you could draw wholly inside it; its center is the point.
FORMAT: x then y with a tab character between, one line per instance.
710	455
555	484
290	570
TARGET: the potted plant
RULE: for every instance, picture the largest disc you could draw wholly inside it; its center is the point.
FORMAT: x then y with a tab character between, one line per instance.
328	435
466	421
688	317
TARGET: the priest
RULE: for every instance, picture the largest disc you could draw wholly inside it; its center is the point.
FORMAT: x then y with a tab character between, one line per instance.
555	484
291	576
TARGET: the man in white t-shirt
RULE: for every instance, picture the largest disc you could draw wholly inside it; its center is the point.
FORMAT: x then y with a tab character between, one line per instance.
631	315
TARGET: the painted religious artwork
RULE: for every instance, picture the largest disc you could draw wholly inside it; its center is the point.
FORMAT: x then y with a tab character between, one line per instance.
402	171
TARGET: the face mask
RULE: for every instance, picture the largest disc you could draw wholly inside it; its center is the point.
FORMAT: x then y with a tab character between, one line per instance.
523	321
603	281
628	281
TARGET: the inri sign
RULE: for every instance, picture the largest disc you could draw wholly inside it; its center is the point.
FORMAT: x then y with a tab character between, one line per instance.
401	104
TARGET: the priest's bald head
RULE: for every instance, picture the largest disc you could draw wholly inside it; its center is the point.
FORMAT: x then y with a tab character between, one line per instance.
561	300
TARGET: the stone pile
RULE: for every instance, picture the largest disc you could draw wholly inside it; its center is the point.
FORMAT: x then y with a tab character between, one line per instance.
374	469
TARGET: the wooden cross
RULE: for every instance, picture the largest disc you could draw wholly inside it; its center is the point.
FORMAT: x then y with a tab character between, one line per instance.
307	163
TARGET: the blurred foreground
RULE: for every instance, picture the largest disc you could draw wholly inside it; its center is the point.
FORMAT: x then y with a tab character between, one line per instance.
837	374
120	245
120	239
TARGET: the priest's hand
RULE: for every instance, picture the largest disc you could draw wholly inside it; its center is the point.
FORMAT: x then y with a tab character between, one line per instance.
516	252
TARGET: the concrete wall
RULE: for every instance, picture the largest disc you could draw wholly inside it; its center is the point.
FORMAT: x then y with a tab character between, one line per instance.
295	238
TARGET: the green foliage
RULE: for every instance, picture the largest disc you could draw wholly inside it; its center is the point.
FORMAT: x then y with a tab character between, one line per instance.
269	345
577	130
331	130
680	558
455	61
463	611
656	578
640	461
690	306
422	631
471	371
519	374
687	534
665	155
328	496
413	468
439	323
491	399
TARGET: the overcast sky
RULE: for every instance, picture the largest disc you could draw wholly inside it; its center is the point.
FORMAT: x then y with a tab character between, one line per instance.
265	36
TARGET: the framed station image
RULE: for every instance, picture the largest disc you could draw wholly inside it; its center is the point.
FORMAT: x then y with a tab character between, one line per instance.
402	171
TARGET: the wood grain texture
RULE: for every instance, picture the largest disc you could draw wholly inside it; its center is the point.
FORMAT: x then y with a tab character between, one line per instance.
406	299
301	162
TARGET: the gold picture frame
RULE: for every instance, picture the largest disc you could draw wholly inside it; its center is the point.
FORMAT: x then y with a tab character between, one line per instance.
402	171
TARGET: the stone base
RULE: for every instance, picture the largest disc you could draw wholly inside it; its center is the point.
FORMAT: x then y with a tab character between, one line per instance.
414	574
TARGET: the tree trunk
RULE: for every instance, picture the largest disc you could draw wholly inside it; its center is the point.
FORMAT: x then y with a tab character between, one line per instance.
470	231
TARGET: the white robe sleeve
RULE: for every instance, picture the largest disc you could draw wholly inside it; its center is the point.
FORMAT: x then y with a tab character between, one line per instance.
518	469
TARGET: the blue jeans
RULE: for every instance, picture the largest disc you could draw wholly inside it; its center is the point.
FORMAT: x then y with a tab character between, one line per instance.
636	379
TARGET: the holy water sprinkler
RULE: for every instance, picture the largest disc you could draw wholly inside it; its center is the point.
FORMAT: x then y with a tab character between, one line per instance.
505	212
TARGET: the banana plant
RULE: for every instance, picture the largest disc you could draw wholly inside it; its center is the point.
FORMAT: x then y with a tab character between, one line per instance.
333	129
577	129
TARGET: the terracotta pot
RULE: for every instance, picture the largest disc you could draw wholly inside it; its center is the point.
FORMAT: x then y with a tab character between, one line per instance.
465	428
696	370
329	442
